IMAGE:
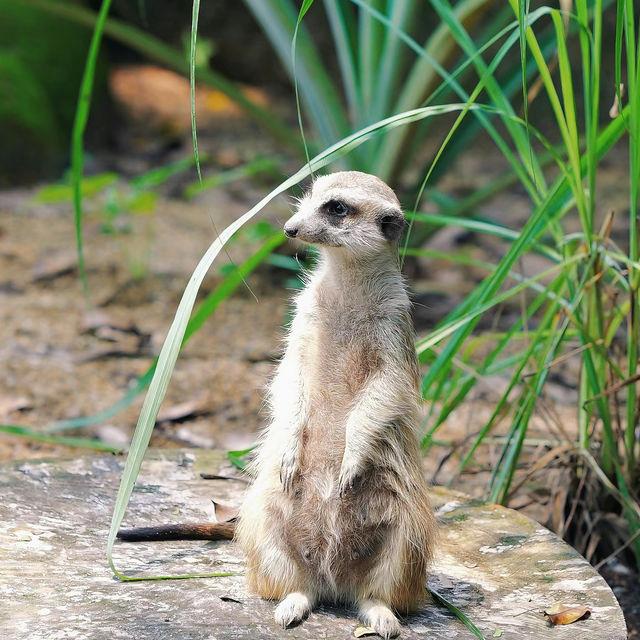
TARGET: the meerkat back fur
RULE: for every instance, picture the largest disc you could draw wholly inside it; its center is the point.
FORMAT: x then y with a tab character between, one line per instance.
339	510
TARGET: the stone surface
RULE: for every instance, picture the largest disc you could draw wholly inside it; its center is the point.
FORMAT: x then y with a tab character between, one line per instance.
499	567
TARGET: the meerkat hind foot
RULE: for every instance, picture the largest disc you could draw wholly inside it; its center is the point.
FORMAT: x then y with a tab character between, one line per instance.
376	614
295	608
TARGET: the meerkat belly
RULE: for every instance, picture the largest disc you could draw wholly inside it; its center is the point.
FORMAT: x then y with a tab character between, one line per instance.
337	540
332	538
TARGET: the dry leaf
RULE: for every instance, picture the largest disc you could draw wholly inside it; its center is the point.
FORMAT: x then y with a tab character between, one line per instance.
563	614
361	632
224	512
95	319
55	264
230	599
565	7
9	404
189	409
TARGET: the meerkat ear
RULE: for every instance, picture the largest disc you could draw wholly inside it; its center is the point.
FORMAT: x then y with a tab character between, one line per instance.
392	224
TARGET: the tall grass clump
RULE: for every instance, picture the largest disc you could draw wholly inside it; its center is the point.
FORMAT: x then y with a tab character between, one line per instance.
584	306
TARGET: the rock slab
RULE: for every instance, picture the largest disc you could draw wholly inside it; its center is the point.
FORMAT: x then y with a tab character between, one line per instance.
499	567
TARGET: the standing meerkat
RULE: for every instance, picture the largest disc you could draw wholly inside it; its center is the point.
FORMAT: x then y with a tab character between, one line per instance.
339	510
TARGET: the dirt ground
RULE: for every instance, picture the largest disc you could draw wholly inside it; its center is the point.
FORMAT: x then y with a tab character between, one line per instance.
62	359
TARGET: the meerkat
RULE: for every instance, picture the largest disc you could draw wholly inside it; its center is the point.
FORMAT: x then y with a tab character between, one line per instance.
339	510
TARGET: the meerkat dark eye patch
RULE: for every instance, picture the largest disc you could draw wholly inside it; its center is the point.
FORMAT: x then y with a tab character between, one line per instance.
337	208
392	225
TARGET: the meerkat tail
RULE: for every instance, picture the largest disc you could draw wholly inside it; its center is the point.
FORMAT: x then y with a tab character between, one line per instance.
197	531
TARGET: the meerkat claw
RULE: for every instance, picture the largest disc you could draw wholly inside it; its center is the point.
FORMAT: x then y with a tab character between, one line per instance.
347	479
377	615
288	471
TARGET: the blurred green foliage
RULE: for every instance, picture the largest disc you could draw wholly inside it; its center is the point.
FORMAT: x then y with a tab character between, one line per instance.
41	62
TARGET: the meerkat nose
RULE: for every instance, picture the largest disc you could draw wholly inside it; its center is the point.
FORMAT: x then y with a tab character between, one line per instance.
290	232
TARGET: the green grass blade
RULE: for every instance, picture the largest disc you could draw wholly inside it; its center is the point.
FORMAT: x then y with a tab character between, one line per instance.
463	617
633	326
306	5
370	37
192	81
127	399
158	176
77	135
387	76
340	21
480	226
461	323
67	441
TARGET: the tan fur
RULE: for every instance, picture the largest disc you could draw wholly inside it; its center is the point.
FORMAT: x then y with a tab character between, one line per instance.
339	509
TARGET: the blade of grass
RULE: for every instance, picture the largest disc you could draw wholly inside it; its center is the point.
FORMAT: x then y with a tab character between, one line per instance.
493	89
633	326
77	136
340	24
387	74
67	441
192	81
306	5
370	36
463	617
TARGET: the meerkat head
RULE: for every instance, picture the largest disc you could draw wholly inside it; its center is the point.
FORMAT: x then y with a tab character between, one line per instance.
351	210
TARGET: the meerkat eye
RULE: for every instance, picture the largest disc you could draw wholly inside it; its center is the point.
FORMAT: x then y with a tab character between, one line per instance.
336	208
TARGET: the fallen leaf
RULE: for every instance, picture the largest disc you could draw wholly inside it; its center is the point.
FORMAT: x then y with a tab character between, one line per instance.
563	614
9	404
230	599
95	319
55	264
361	632
189	409
224	512
112	434
497	633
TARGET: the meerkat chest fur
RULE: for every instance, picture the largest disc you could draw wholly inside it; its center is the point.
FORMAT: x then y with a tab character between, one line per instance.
351	313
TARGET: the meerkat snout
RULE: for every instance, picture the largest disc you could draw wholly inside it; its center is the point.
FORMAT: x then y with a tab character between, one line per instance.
352	210
290	230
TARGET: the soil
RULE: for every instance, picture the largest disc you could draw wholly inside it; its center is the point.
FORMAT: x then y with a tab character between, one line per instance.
63	359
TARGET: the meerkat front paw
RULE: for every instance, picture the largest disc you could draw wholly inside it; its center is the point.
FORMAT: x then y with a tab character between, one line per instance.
376	614
288	470
295	608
